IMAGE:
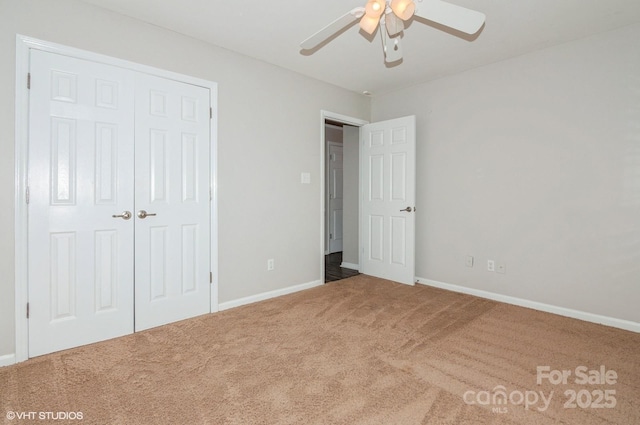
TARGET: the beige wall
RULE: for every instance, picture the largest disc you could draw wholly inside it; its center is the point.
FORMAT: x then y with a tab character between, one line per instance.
269	133
534	162
351	211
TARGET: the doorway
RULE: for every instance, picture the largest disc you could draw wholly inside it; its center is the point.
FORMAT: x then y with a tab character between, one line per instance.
341	141
383	227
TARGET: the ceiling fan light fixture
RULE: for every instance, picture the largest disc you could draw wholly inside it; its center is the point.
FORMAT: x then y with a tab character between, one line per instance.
375	8
403	9
391	17
393	24
369	24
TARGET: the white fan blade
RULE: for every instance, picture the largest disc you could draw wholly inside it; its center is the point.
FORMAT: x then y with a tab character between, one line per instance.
392	49
332	28
450	15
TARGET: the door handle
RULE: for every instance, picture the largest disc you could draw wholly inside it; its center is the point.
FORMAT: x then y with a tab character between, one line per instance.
408	209
144	214
126	215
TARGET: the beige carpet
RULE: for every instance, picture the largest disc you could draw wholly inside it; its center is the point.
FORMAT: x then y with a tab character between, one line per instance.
357	351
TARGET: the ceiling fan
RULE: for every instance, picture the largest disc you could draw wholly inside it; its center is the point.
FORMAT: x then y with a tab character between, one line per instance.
391	15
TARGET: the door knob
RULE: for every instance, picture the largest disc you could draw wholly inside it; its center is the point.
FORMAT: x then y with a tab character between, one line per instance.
126	215
408	209
144	214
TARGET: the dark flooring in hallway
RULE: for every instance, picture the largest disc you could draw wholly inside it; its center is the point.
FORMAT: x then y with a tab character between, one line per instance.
332	269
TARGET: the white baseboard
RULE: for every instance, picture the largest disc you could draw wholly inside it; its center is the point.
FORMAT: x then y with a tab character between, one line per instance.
7	360
350	266
267	295
562	311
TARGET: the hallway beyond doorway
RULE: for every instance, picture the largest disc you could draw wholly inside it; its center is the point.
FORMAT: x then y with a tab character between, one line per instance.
332	269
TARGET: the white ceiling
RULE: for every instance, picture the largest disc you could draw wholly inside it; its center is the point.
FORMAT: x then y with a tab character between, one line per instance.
272	31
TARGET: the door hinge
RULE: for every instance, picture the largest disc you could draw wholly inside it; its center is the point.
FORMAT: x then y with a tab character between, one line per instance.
27	195
28	80
330	235
210	277
27	310
211	113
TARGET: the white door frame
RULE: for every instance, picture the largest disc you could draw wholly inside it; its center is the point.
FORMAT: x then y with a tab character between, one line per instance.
23	45
357	122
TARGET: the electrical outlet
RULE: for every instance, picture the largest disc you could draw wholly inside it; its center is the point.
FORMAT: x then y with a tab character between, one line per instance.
271	264
491	265
469	261
501	268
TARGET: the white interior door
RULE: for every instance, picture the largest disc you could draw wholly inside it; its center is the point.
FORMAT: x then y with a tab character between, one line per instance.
80	172
105	145
387	217
335	174
172	186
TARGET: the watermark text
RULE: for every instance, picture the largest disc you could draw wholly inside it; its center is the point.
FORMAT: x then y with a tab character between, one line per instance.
598	393
45	416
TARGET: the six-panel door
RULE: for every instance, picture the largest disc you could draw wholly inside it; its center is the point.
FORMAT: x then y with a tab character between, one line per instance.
172	187
101	149
80	174
387	218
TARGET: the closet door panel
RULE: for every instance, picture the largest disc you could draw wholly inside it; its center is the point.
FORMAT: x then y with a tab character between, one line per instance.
80	264
172	201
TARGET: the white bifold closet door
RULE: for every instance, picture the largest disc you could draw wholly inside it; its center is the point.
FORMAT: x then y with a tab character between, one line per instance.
105	144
